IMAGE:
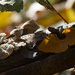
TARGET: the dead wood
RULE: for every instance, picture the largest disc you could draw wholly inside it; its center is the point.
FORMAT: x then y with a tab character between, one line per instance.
48	65
31	61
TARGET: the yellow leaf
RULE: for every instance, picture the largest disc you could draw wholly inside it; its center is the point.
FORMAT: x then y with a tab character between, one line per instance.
48	20
70	13
66	31
5	19
53	44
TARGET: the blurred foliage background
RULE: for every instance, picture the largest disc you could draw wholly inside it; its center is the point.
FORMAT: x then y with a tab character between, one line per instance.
33	10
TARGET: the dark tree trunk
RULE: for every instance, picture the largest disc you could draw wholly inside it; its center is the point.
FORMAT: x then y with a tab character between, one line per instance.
48	65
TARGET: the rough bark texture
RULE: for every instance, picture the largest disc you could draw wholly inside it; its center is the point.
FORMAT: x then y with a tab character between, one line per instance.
18	65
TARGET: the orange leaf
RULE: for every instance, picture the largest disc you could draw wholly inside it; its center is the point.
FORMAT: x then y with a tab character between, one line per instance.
53	44
5	19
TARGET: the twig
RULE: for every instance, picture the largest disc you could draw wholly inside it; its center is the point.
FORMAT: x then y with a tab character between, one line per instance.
52	8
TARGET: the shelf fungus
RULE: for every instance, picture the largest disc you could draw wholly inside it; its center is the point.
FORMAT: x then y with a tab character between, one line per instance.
17	45
26	28
32	39
15	34
2	35
6	50
13	42
30	27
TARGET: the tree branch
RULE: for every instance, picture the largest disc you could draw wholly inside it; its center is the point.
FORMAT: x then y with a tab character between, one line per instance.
47	66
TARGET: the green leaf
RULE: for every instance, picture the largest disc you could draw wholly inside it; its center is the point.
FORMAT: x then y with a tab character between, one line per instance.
52	1
11	5
42	2
46	3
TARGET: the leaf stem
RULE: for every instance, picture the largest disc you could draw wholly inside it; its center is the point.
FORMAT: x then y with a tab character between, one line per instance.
51	7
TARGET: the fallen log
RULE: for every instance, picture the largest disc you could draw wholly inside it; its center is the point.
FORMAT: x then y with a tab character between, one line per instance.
48	65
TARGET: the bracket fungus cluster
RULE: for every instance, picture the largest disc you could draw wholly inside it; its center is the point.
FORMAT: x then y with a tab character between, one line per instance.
16	39
26	35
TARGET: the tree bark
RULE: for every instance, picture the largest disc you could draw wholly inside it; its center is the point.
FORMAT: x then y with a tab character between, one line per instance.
46	66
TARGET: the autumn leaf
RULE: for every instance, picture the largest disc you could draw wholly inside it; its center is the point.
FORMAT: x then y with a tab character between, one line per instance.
53	44
70	13
70	10
5	19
